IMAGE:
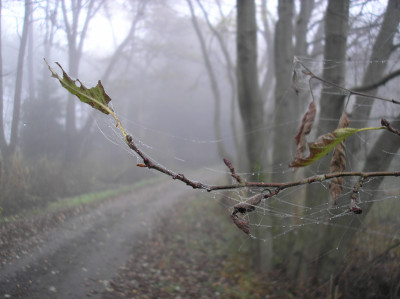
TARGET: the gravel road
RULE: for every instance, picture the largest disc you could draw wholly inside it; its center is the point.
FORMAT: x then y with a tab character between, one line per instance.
77	258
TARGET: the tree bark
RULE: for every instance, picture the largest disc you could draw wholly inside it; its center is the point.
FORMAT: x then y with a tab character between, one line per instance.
336	32
3	142
251	110
306	248
301	45
268	35
286	105
250	103
381	51
335	234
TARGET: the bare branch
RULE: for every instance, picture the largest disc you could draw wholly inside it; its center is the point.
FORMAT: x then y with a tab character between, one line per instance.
383	81
232	170
249	205
147	162
354	197
350	92
386	124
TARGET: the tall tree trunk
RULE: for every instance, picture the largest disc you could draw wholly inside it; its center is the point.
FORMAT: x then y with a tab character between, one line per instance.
340	232
301	45
307	248
213	82
3	142
381	51
375	160
336	31
83	133
268	35
230	70
286	105
9	150
251	109
76	40
30	63
250	103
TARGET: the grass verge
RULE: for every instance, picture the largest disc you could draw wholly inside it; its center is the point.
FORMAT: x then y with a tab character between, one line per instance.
64	204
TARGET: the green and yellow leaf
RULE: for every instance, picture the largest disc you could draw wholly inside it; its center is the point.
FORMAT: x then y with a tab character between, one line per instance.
325	143
95	96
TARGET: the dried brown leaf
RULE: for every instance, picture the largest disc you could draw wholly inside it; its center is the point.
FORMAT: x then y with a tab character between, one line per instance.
241	223
249	205
338	162
305	129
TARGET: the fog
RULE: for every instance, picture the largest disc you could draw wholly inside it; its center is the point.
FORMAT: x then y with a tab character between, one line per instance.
192	88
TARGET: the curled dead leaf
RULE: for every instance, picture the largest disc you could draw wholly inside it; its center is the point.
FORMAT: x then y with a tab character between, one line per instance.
241	223
305	128
249	205
338	162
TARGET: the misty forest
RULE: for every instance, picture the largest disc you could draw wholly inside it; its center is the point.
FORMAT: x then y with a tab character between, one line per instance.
199	149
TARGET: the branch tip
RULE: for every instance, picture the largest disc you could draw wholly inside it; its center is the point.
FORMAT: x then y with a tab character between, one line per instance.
232	170
389	127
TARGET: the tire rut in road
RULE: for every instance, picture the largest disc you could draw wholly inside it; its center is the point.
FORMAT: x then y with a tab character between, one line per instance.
78	258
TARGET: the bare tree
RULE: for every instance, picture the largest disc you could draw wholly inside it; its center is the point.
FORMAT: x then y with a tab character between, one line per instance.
8	149
251	107
382	49
213	81
286	108
76	35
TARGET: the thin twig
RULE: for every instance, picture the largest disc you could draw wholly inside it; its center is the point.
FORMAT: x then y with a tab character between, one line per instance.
245	184
250	204
354	197
232	170
386	124
308	72
382	81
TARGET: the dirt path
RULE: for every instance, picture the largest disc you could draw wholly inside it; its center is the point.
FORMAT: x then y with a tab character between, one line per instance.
78	258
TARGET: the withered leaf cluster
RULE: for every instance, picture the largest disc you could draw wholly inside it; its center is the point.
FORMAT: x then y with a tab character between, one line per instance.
322	146
244	207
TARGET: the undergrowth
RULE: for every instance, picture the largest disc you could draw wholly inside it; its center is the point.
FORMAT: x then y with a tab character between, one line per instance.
195	253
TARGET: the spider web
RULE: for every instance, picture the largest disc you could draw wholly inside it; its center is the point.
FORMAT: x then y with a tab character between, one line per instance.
289	213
